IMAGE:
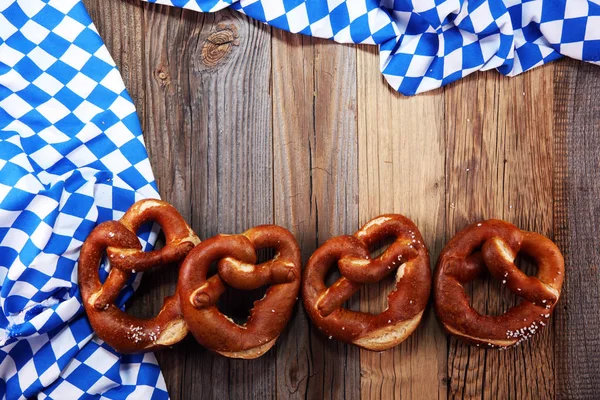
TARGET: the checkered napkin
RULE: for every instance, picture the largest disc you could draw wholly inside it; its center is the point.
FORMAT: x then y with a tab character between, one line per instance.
425	44
71	156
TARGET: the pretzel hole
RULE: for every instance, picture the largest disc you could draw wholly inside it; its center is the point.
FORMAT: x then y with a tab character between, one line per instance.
146	230
489	296
526	264
213	269
332	275
265	254
154	287
236	303
381	246
374	295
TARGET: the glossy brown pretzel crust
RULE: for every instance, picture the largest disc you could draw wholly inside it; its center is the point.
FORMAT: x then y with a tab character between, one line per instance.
236	257
407	256
123	332
495	244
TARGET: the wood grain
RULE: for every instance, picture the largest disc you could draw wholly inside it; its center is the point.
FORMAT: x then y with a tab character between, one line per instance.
316	192
401	159
499	165
294	208
212	157
577	214
246	124
222	170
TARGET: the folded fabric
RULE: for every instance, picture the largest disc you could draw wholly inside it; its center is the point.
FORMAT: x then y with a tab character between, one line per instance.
425	44
71	156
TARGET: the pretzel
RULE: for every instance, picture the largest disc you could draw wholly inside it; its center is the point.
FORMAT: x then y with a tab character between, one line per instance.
407	256
123	332
236	256
495	244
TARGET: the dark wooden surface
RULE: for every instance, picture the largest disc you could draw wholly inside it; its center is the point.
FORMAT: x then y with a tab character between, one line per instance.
577	217
246	124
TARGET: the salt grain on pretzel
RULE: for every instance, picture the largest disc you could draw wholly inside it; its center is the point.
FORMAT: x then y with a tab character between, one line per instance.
123	332
407	256
495	244
236	256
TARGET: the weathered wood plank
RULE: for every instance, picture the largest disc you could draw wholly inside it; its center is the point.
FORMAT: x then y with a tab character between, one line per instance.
401	170
170	152
316	192
227	109
334	176
208	131
293	131
577	215
499	164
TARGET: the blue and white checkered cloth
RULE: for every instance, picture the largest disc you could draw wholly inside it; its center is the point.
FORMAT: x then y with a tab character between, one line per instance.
72	154
425	44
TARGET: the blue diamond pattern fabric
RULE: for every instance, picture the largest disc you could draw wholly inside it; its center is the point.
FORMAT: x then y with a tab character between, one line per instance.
71	156
426	44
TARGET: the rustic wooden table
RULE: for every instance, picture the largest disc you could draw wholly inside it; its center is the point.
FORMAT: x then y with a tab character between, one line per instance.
246	124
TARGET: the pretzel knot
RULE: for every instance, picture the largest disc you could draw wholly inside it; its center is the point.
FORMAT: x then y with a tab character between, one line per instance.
236	257
118	239
407	256
495	244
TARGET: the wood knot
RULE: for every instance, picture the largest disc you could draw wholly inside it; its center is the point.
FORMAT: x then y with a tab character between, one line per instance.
163	77
218	44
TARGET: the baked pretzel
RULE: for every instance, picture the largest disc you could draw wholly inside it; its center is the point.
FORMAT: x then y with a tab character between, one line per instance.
236	256
123	332
495	244
407	256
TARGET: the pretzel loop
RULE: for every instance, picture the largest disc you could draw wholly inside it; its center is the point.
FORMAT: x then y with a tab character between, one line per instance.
501	265
208	291
118	239
179	237
334	251
495	244
407	256
236	257
248	276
